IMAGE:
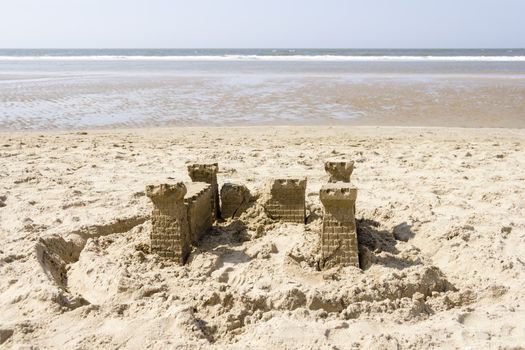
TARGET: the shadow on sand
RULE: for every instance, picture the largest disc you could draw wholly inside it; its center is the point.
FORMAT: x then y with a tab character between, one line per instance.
374	241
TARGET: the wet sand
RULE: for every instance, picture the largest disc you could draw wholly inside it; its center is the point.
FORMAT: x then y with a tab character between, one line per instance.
77	100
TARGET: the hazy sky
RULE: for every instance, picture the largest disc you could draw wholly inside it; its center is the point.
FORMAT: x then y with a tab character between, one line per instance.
262	23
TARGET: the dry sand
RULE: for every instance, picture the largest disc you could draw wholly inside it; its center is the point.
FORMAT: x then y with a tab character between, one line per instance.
441	225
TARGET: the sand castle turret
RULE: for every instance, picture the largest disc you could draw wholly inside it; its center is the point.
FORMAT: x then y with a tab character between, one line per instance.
170	230
339	236
207	173
286	199
339	244
181	215
339	170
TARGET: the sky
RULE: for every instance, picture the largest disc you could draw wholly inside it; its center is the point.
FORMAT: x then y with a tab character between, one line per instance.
262	23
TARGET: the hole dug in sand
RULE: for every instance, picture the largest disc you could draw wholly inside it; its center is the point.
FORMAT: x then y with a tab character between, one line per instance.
56	254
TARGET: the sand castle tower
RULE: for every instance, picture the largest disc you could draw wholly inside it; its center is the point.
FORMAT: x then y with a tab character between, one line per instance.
170	230
286	199
339	236
339	170
207	172
182	214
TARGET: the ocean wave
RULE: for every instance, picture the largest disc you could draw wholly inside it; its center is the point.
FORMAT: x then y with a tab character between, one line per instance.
291	58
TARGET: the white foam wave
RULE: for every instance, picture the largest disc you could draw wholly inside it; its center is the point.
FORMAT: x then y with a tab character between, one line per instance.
291	58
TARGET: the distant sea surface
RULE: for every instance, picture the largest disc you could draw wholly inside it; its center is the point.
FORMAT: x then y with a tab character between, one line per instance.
105	88
270	54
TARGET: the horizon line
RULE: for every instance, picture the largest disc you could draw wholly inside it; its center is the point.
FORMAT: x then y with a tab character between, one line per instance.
262	48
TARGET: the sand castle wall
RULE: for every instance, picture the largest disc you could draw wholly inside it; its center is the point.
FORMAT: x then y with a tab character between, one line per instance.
286	200
234	199
208	173
198	201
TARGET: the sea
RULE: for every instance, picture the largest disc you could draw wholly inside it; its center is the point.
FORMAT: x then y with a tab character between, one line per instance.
109	88
268	54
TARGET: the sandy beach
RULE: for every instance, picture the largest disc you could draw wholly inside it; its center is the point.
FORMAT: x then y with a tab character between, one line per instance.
440	222
262	175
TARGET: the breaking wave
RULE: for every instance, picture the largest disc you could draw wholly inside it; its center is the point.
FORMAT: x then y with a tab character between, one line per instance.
305	58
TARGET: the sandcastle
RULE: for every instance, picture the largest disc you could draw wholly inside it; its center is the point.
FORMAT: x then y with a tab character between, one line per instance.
183	213
339	236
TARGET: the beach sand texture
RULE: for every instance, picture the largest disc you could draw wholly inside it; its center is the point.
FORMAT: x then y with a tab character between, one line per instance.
440	219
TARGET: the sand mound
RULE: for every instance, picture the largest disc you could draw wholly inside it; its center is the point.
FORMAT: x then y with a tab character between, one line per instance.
245	271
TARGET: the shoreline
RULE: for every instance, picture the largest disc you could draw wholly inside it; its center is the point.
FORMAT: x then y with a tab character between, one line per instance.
160	129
